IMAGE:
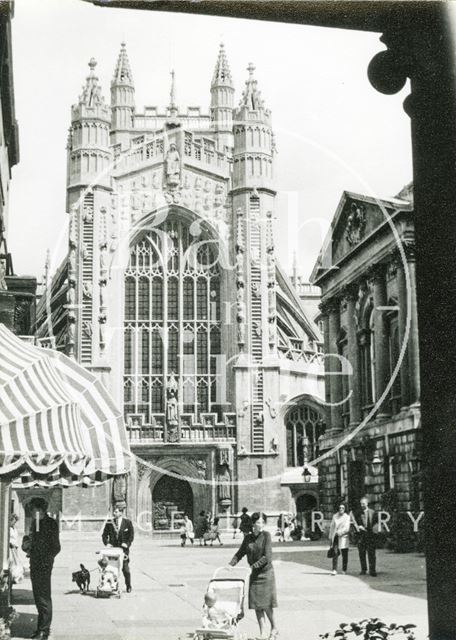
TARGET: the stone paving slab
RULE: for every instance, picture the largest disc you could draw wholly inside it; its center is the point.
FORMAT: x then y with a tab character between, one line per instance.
311	601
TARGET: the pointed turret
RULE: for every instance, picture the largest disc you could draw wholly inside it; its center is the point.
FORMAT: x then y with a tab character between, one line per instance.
222	74
88	137
122	74
222	96
251	100
122	99
253	138
91	92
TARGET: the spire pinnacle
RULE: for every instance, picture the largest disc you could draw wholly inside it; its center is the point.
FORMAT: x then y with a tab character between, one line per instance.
91	92
222	73
295	269
172	94
251	96
122	72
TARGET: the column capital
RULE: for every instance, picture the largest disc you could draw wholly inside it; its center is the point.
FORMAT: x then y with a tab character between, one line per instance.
409	250
376	272
331	305
350	291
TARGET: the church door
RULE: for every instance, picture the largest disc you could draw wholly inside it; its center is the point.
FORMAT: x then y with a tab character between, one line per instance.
172	498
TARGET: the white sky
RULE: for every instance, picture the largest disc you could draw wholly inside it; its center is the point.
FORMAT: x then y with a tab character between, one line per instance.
333	130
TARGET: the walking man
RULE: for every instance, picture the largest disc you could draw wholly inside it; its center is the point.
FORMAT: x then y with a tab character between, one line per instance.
42	545
366	538
119	532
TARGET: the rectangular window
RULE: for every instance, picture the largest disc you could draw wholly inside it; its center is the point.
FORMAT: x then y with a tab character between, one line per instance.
201	352
188	299
130	298
143	298
260	471
173	351
156	397
156	352
173	307
201	299
157	299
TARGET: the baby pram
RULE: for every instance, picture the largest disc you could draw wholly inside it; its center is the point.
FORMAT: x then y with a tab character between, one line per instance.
108	584
230	592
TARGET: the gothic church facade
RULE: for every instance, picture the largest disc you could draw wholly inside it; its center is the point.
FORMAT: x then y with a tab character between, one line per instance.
172	293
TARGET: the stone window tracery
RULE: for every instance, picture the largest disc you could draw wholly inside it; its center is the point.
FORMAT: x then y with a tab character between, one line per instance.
171	320
302	420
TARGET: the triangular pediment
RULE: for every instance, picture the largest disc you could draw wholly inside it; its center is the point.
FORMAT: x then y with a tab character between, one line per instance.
356	219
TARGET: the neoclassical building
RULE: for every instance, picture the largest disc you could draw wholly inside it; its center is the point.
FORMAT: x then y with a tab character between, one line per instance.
366	271
172	292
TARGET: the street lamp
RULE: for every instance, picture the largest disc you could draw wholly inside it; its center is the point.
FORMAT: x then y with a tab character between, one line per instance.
376	464
307	474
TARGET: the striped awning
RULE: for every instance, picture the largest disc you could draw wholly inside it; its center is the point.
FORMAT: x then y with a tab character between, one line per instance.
58	424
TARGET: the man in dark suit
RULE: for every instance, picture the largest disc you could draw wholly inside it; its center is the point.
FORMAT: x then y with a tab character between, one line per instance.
42	545
119	532
365	526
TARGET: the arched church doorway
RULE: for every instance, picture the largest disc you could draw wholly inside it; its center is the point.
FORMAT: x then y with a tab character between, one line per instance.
305	504
171	499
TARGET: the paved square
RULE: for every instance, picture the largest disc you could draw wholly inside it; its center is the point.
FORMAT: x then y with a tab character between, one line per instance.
169	584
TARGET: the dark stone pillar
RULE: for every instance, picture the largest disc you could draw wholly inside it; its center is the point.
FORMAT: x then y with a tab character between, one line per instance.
380	336
402	319
424	51
351	295
334	364
413	346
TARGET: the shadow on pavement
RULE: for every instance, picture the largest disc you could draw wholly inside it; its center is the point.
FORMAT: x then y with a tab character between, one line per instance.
24	625
22	596
401	573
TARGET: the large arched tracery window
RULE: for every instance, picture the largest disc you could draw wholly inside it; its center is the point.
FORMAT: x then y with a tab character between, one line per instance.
171	320
304	425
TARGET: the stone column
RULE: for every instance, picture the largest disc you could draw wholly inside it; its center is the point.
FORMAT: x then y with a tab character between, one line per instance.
380	336
402	321
351	295
325	319
424	50
413	345
333	368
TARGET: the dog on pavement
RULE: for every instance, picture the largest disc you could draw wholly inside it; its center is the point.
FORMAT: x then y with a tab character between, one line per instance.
82	578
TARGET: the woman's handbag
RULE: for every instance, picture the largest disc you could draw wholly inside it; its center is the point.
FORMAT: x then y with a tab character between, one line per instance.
330	553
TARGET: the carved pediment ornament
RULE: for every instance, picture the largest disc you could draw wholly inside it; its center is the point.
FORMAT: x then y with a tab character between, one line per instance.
356	223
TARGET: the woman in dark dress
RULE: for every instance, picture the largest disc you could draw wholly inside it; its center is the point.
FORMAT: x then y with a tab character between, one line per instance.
201	527
262	586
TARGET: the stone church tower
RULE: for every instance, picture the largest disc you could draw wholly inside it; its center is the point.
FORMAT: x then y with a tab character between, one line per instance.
176	298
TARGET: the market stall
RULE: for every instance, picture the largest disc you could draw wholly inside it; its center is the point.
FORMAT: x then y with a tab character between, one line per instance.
58	426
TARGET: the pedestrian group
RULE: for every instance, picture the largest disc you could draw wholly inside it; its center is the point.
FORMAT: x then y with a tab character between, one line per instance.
42	545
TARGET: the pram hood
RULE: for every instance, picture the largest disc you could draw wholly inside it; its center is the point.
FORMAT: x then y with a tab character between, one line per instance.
230	594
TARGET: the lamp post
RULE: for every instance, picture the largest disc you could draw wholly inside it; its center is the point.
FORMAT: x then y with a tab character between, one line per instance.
307	474
376	464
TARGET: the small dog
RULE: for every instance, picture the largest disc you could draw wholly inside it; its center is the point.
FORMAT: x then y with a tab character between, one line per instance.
82	578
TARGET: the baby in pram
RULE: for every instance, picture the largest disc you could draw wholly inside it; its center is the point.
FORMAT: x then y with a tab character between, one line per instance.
109	576
214	617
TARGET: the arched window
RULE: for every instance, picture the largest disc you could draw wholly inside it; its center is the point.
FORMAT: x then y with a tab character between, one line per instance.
171	321
304	425
367	359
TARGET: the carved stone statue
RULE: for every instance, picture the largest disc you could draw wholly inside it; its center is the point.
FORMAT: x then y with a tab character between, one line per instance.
87	289
172	405
223	482
172	166
3	285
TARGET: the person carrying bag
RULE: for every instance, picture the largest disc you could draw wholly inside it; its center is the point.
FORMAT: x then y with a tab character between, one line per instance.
338	535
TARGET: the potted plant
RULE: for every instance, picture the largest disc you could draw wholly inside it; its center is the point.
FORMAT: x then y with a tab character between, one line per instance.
371	629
